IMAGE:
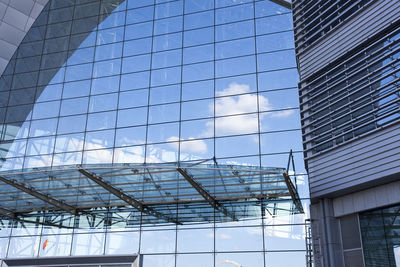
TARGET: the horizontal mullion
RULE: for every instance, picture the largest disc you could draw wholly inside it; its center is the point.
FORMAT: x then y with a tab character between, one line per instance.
317	106
349	104
384	48
326	23
356	118
343	73
349	131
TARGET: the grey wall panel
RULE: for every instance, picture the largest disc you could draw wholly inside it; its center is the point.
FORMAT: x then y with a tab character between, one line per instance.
364	160
380	196
374	18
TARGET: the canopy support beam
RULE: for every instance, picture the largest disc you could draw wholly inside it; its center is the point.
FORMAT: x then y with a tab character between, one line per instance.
205	194
293	193
43	197
126	198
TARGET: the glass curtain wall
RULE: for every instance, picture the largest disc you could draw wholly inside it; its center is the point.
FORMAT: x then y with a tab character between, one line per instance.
154	81
380	236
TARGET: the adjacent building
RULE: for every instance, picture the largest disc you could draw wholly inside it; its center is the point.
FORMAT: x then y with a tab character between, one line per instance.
150	132
348	59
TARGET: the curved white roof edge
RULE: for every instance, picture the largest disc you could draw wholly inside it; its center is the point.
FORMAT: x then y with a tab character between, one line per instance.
16	18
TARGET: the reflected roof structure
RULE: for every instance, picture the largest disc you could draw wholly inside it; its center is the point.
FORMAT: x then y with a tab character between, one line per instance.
166	193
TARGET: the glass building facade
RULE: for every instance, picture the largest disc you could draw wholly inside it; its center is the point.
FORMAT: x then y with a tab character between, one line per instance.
151	82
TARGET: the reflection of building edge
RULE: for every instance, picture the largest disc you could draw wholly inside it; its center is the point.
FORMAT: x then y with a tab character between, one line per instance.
349	95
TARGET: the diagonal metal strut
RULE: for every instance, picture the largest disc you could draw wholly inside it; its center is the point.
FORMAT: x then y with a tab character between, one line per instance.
126	198
7	213
205	194
57	203
293	193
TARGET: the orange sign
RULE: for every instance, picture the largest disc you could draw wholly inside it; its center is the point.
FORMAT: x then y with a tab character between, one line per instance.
45	243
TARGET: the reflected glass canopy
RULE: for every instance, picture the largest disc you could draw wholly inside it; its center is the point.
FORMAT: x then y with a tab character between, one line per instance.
164	193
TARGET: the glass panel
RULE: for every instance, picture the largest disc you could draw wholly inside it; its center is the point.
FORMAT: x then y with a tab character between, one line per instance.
199	20
76	89
134	98
239	239
198	54
105	85
55	245
139	15
134	154
157	242
285	258
122	243
198	37
159	261
139	30
197	109
194	260
237	146
137	63
164	113
88	244
46	110
99	140
137	47
103	120
74	106
280	142
132	117
130	136
166	59
71	124
166	76
43	127
167	42
204	240
163	132
169	9
234	30
235	66
103	102
198	5
110	36
286	237
272	24
242	259
135	80
236	13
235	48
168	25
165	94
195	72
23	247
197	90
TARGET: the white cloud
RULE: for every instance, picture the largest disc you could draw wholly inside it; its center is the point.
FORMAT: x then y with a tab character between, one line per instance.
190	145
282	114
238	99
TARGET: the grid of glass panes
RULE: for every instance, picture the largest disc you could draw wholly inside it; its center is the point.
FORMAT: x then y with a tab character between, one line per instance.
276	241
156	81
138	88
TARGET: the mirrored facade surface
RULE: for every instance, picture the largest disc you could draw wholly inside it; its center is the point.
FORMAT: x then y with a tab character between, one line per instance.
149	82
